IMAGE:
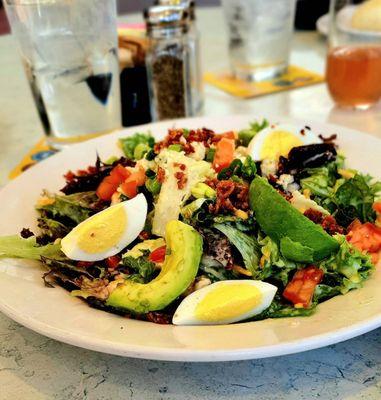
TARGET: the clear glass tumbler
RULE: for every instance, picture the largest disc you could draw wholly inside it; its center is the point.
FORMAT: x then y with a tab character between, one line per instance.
69	51
260	34
353	67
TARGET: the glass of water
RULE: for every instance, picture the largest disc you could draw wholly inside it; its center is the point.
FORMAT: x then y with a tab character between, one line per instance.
69	51
260	33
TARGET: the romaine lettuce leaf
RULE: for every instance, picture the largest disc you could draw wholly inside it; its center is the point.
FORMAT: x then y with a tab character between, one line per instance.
245	244
15	246
136	145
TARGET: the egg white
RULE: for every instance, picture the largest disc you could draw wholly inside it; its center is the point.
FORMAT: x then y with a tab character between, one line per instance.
256	144
186	315
136	213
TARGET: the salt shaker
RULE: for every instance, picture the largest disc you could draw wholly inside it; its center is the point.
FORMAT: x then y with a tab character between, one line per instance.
170	62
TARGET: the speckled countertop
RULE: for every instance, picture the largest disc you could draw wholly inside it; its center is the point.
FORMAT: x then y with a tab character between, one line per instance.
33	367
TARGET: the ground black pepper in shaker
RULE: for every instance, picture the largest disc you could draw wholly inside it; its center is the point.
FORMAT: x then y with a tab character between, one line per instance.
169	65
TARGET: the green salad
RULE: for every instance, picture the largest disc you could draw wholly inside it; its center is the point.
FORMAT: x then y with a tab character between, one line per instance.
209	228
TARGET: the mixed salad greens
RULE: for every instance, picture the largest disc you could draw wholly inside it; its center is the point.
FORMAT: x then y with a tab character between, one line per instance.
278	217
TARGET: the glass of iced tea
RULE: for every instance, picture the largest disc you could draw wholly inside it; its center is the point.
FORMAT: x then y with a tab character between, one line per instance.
353	68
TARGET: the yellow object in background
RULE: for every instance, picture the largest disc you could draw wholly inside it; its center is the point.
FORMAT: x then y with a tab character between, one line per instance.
294	78
38	153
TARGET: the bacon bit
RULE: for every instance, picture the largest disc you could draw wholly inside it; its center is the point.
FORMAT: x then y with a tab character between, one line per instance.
112	262
302	132
314	215
160	175
327	222
85	264
181	166
188	148
144	235
176	136
330	225
159	318
231	196
203	135
181	179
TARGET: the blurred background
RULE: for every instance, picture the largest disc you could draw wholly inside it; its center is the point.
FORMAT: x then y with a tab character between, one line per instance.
308	11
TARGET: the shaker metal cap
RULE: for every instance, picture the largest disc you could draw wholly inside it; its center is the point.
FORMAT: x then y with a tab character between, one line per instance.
166	16
190	5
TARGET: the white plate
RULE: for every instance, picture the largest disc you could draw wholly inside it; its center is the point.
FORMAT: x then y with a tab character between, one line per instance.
344	19
52	312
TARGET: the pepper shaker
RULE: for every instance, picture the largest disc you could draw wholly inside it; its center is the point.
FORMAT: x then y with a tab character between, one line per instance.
170	62
197	84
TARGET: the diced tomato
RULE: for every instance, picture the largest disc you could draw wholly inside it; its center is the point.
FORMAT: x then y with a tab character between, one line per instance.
301	288
107	188
112	262
377	207
84	264
120	173
158	255
130	186
226	135
111	182
366	237
224	154
139	176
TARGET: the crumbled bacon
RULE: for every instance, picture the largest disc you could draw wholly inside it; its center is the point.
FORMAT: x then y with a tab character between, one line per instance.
144	235
314	215
159	318
181	179
204	135
160	175
176	136
181	166
330	225
231	196
327	222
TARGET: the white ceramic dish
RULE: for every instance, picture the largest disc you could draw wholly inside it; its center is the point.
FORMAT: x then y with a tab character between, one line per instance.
344	24
52	312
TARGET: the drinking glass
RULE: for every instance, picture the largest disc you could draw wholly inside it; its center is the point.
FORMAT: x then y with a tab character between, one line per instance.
353	69
69	51
260	34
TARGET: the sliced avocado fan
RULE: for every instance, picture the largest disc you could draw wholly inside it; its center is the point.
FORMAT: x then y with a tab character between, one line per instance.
299	239
184	251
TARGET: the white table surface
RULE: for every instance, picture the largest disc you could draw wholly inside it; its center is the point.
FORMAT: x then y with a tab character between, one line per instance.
33	367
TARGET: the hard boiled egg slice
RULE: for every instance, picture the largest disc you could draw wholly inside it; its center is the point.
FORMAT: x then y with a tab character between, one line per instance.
107	232
225	302
278	140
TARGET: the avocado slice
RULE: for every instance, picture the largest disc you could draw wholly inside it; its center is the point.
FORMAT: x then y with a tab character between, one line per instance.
184	250
299	238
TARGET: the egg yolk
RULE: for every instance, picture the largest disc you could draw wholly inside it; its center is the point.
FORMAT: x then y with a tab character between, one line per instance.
279	143
226	302
103	231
